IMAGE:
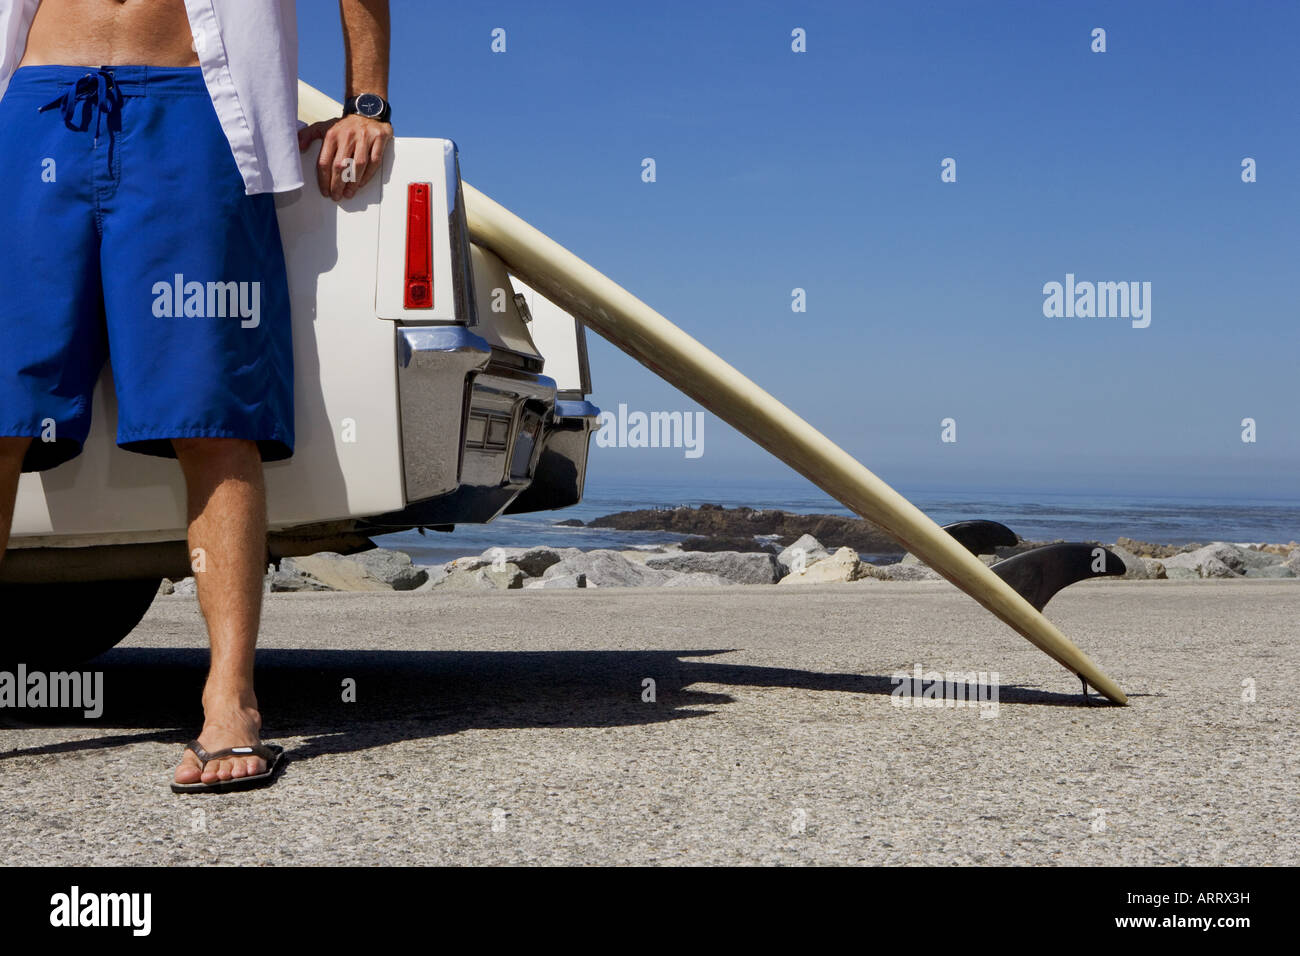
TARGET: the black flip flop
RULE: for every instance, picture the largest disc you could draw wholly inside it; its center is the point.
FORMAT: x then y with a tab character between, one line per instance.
268	752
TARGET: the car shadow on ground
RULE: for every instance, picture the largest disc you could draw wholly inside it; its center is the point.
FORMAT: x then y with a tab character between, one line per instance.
348	701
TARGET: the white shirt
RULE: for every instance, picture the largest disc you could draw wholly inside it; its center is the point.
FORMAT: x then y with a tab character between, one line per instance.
248	52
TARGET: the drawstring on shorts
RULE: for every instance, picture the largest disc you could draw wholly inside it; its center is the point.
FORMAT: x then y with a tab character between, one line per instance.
97	90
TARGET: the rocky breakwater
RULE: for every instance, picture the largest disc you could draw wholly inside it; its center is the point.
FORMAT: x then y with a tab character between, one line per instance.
803	561
741	528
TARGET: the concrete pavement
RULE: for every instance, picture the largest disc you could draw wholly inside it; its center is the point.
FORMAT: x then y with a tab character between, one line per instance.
510	727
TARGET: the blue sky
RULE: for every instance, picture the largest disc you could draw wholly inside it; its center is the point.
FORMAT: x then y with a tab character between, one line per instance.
821	170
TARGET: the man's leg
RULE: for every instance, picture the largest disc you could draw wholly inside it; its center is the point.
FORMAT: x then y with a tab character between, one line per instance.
227	528
12	451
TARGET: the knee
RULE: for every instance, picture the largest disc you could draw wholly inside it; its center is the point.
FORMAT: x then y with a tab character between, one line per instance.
236	452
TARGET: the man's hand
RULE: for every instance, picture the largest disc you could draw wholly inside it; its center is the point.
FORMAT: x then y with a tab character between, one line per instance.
352	150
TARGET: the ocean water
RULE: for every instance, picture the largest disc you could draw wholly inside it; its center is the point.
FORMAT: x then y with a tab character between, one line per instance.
1039	516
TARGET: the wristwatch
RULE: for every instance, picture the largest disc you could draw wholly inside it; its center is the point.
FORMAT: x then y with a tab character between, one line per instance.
370	105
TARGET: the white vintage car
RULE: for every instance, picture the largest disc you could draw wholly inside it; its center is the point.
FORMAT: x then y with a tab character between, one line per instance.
434	388
430	389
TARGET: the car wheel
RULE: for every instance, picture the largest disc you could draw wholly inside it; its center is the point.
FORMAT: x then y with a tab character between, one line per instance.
57	625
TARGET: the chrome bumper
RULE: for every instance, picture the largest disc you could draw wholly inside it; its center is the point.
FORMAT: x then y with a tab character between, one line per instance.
478	438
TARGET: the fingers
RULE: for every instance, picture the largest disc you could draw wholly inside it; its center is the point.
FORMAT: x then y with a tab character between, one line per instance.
352	151
325	161
380	134
309	134
356	176
340	142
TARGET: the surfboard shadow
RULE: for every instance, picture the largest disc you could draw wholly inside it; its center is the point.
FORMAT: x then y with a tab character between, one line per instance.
351	701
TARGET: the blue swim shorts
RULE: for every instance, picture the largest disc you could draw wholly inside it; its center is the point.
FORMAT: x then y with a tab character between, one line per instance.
129	237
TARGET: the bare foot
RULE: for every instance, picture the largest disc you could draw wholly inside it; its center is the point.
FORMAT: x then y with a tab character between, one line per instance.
228	722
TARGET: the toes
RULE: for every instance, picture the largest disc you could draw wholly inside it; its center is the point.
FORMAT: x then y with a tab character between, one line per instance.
188	771
217	770
248	767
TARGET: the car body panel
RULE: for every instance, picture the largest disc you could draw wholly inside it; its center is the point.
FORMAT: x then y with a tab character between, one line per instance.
387	398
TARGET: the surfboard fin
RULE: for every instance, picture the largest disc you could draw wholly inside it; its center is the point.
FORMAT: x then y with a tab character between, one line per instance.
1039	574
981	537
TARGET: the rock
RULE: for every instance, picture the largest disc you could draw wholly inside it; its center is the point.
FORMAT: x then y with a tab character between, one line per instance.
1144	549
1204	563
185	586
1293	561
1155	568
578	580
1214	568
1221	560
165	586
1241	558
1281	550
509	578
731	542
1273	571
812	552
606	569
642	555
913	561
1135	568
393	568
843	565
697	579
570	523
436	574
714	521
1177	573
335	571
750	568
900	572
278	582
532	561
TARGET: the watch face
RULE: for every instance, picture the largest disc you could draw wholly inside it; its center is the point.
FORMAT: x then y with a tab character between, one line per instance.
368	104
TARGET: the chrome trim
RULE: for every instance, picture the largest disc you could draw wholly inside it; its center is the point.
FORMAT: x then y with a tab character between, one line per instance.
584	366
499	395
433	364
462	273
413	340
561	470
492	470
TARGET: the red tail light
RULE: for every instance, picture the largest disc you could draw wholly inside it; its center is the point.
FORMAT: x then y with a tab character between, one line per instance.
419	258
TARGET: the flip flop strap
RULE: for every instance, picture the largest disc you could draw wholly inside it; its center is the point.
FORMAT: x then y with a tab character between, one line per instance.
259	750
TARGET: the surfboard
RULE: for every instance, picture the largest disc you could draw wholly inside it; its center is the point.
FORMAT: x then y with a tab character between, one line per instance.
668	351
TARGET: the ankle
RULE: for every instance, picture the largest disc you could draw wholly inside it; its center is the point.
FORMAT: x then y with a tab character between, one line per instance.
229	696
